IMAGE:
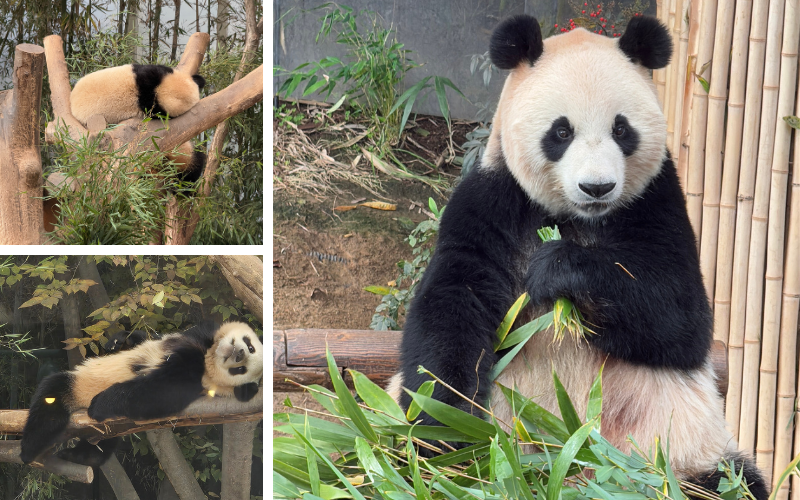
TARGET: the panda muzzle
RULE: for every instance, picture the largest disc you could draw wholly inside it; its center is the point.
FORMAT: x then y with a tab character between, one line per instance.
239	356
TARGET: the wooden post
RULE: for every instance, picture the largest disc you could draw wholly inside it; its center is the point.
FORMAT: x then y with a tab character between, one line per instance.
178	471
22	220
237	460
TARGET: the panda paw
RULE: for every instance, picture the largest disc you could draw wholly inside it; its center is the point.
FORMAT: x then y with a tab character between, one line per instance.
100	410
245	392
551	272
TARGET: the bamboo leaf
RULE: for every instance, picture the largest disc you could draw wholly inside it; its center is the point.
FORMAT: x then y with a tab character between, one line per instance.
535	414
792	121
337	105
284	487
311	461
568	413
375	397
426	389
353	491
453	417
595	405
444	107
510	317
348	402
562	464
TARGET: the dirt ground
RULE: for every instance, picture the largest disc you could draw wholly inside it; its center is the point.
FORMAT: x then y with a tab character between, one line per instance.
323	258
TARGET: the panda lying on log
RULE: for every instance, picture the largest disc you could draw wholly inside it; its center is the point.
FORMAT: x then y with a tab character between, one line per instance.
135	90
578	141
157	378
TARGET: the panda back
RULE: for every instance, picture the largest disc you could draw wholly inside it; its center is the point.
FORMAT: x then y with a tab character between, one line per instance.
111	93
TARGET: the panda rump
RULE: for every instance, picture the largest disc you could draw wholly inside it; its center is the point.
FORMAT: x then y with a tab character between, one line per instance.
156	379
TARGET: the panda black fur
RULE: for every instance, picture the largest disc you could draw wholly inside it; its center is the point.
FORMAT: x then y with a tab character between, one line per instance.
156	379
134	90
578	141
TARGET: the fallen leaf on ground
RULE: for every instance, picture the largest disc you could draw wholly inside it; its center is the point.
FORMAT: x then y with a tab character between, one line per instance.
379	205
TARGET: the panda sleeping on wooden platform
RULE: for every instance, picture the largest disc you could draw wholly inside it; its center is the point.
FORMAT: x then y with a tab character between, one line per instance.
157	378
135	90
578	141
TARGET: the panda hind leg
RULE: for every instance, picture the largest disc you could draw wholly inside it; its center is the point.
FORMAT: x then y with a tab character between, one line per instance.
48	416
739	461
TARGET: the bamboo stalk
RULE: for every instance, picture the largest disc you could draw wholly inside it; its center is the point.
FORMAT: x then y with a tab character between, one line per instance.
791	297
741	252
770	338
659	75
699	116
758	232
730	170
676	22
715	130
688	102
677	111
669	19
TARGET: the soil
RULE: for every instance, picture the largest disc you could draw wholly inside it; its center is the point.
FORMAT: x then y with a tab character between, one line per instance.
323	258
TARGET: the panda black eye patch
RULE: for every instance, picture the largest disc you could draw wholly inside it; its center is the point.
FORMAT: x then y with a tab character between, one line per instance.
625	136
557	139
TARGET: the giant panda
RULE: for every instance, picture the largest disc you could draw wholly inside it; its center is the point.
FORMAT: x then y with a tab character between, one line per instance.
135	90
157	378
579	142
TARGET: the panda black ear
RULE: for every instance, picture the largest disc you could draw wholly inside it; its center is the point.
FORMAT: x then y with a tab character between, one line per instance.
199	80
516	39
647	42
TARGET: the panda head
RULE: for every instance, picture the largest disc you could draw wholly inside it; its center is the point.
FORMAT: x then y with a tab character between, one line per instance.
236	357
178	92
578	122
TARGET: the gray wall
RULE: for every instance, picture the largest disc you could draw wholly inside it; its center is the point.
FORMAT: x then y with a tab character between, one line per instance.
442	34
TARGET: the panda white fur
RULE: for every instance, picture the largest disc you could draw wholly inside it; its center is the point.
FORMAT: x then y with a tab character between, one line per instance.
578	141
131	91
155	379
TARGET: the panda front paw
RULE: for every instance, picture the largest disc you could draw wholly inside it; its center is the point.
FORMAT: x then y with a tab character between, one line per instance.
551	272
245	392
100	409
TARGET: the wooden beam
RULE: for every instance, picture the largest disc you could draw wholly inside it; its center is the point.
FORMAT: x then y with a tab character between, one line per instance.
298	355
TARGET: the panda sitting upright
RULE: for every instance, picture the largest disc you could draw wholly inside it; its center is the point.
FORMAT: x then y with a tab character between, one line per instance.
578	142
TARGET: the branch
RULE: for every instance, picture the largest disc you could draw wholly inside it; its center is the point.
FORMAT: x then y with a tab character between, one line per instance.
245	273
9	453
204	411
181	222
193	53
60	90
171	458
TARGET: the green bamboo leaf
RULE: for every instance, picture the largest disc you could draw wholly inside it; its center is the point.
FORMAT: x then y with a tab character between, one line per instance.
568	413
375	397
565	458
706	86
791	467
793	122
432	432
675	492
595	405
353	491
525	331
367	460
284	487
426	389
519	488
348	402
521	337
444	107
446	81
453	417
311	461
421	491
535	414
293	84
510	317
311	88
499	468
338	104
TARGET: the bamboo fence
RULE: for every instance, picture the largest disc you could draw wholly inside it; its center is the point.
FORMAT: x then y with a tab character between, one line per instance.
739	164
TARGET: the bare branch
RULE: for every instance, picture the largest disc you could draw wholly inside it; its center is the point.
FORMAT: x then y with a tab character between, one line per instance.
9	453
193	53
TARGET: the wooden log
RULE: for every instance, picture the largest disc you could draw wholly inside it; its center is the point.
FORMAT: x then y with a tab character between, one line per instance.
245	273
299	355
9	453
237	460
22	221
172	461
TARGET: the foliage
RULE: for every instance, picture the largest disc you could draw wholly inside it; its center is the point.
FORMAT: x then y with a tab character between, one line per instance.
108	197
373	446
609	19
396	300
474	147
375	66
159	296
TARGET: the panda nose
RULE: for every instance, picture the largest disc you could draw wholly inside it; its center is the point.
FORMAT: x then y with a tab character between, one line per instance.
597	190
239	355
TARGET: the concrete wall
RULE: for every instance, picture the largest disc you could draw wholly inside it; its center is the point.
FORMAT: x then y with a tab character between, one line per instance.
442	34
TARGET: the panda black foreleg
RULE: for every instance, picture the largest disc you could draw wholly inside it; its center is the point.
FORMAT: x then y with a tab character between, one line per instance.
738	462
48	416
245	392
645	305
145	398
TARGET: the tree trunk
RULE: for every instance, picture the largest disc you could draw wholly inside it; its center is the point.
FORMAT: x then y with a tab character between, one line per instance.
237	460
119	480
197	16
245	273
175	27
223	13
20	163
121	17
156	23
178	471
